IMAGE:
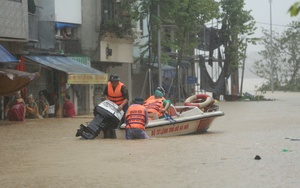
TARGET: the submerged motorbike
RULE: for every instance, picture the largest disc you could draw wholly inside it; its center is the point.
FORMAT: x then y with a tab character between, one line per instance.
107	117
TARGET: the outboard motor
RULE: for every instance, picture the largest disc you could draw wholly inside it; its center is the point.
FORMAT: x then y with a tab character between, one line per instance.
107	117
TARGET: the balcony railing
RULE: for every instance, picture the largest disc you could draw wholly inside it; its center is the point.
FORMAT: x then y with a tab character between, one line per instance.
68	46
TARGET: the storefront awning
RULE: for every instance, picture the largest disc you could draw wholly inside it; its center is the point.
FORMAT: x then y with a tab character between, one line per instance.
6	57
77	73
12	81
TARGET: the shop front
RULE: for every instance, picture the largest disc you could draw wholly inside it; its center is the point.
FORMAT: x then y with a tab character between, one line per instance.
61	75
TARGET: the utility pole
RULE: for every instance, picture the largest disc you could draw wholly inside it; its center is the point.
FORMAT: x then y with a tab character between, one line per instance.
271	49
159	49
243	68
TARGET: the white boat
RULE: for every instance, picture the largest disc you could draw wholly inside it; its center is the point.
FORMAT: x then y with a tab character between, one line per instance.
183	120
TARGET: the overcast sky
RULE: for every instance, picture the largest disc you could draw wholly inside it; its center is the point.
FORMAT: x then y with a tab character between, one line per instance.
261	13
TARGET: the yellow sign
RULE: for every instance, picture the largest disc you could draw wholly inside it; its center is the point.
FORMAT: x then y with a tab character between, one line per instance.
87	79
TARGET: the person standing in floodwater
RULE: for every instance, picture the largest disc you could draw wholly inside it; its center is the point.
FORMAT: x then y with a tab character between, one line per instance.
117	92
136	120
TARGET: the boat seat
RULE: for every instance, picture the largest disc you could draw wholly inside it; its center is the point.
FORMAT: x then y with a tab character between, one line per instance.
172	111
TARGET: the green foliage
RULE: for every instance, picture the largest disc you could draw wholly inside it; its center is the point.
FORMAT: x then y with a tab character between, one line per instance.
294	9
237	24
119	18
286	59
180	18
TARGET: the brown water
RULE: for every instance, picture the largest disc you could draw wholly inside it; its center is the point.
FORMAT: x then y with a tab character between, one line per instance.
46	153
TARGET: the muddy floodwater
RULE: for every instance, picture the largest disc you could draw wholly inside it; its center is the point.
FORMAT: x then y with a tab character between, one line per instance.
46	153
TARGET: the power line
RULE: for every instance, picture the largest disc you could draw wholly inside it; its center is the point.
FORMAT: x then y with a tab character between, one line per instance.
263	23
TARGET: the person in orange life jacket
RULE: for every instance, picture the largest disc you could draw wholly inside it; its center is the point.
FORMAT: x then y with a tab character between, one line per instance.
157	103
117	92
136	120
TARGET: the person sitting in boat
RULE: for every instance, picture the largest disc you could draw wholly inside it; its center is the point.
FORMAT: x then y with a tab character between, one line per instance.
136	120
157	105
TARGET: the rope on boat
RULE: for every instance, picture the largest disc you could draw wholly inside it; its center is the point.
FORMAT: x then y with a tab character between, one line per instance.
168	117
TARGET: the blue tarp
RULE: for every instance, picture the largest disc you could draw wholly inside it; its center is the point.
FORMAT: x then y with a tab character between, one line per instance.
69	66
60	25
6	57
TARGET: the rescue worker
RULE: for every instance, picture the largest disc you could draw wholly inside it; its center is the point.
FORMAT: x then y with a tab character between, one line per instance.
157	104
117	92
136	120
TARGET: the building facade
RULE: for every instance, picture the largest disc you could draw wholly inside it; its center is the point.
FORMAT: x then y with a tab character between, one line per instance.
43	33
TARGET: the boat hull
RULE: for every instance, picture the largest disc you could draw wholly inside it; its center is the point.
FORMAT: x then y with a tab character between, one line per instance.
191	122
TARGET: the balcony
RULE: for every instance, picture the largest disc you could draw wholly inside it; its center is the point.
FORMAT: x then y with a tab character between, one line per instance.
68	46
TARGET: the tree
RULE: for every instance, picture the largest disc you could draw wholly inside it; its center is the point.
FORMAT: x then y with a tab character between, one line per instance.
236	24
189	16
262	68
286	59
118	18
186	17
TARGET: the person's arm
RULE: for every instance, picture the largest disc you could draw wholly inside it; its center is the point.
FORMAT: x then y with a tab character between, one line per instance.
30	110
35	109
166	105
123	104
125	96
146	117
9	105
46	107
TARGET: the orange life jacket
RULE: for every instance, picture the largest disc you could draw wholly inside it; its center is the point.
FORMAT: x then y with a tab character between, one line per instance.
155	106
136	117
115	95
152	97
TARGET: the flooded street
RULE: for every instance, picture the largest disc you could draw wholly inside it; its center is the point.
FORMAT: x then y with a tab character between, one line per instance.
46	153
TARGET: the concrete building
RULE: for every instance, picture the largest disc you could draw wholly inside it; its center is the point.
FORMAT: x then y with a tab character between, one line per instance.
47	35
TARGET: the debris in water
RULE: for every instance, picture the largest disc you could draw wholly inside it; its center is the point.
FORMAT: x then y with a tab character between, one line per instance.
257	157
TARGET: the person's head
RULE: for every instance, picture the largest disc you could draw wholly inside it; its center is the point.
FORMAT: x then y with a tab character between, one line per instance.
159	92
138	100
18	94
30	98
42	95
54	95
114	79
67	97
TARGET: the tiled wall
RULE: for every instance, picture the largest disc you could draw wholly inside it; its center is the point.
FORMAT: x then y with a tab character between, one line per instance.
13	19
